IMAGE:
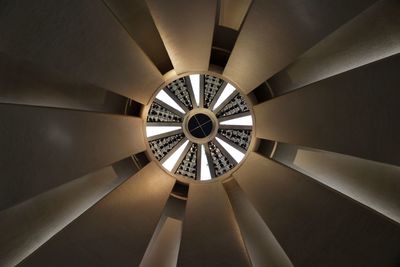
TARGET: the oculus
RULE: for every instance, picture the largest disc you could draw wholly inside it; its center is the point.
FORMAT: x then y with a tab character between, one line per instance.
199	126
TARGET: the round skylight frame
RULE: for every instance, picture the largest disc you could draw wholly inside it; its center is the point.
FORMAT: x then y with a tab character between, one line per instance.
219	140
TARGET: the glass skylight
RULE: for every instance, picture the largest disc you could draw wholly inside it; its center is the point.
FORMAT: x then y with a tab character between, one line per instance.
201	155
229	89
204	168
164	97
195	81
173	159
157	130
236	154
245	121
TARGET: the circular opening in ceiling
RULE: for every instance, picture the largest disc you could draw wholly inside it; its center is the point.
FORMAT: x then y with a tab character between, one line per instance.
199	127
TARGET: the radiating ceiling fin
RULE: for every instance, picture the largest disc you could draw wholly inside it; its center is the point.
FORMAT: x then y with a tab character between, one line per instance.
186	28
